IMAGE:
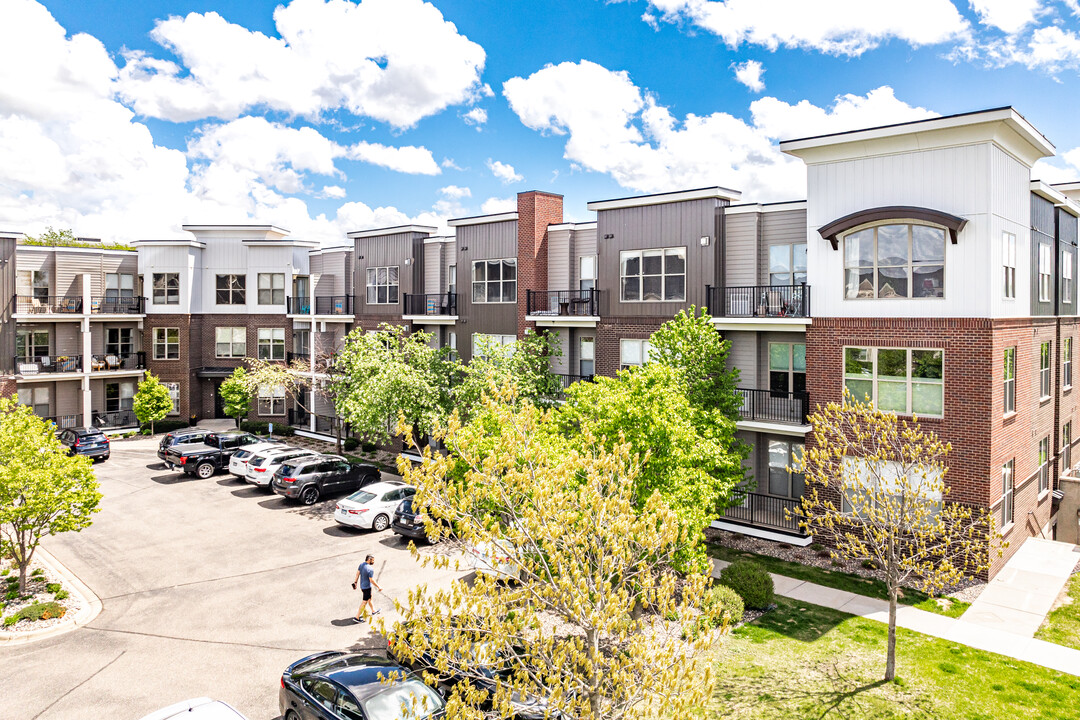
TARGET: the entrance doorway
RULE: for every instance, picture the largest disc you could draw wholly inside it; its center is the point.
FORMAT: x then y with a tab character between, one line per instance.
219	402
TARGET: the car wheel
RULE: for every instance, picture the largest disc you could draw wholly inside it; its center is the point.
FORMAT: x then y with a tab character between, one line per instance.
291	716
205	470
309	495
380	523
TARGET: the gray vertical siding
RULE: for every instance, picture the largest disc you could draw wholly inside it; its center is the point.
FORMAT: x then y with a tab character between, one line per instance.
785	227
583	243
483	242
560	275
1042	232
7	308
433	268
388	251
741	234
1067	239
743	356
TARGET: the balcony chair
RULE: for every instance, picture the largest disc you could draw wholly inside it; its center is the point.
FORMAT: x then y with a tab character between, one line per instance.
113	362
97	363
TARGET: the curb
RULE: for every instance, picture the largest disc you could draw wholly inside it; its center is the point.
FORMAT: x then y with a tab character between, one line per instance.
91	605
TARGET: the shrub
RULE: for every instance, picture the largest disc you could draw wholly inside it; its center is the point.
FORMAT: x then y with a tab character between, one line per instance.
164	426
817	547
9	621
5	572
11	594
350	444
368	447
728	601
751	581
53	587
145	431
41	611
61	595
263	428
38	572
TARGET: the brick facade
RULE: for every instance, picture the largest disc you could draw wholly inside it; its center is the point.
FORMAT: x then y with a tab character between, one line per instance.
610	331
536	210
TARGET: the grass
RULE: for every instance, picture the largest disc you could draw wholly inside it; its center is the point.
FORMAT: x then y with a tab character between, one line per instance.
1062	626
806	661
857	584
77	244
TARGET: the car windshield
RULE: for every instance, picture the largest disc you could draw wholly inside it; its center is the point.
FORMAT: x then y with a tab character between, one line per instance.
241	454
361	496
410	700
405	506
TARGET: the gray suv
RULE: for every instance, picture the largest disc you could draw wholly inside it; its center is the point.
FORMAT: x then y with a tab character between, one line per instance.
310	478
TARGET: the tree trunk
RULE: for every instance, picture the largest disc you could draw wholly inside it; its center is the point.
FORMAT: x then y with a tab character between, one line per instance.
890	657
337	434
23	562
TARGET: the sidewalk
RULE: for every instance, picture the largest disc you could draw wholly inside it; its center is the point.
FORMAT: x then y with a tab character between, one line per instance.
1036	652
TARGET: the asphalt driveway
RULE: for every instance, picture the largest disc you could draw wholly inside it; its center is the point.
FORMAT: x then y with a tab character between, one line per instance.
209	588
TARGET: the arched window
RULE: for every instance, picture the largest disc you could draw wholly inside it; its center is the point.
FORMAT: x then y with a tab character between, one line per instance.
895	260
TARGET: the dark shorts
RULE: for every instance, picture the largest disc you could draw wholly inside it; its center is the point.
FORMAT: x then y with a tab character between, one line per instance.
367	593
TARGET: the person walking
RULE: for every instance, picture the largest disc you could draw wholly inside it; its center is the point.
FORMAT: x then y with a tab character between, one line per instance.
365	575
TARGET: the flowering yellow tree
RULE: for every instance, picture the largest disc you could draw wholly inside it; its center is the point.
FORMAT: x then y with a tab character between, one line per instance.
875	490
596	624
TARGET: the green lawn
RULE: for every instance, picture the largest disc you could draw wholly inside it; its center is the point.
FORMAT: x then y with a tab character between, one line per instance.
840	580
1062	626
806	661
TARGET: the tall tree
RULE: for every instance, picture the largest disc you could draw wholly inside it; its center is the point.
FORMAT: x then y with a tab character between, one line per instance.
875	490
691	344
599	625
152	401
43	490
236	395
526	363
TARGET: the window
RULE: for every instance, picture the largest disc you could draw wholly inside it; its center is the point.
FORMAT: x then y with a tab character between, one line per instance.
451	340
1008	261
1009	394
174	393
494	281
272	400
1066	447
166	343
1044	464
1044	371
119	396
787	368
587	272
166	288
33	283
382	285
861	484
895	261
302	342
119	341
300	287
900	380
230	342
271	288
1066	362
787	264
271	343
1066	277
1007	493
482	343
32	344
119	285
633	353
1046	259
231	290
587	357
37	398
653	275
451	279
784	454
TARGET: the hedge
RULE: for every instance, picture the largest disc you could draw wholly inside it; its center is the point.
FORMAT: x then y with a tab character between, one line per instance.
263	428
165	426
751	581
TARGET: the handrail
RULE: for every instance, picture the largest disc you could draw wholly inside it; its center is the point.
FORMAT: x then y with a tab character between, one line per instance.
762	301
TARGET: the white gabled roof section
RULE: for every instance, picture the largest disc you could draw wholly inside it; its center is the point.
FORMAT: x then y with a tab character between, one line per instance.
717	192
1054	194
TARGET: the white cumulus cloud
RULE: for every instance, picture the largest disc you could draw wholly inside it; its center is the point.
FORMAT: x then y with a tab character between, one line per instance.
406	159
455	192
749	74
335	192
1009	16
495	205
504	172
476	116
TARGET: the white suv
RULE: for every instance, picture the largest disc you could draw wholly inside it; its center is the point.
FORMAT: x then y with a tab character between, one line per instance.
238	462
261	466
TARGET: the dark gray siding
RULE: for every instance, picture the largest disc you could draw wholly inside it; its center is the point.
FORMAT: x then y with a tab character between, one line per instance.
787	227
388	251
679	224
1067	239
1042	232
489	241
7	292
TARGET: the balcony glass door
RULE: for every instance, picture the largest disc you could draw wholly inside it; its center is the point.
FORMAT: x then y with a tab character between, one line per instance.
787	368
587	362
784	454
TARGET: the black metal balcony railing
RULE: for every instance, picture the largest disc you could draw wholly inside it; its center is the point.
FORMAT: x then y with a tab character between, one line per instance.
324	425
299	418
562	302
766	511
114	419
774	405
118	361
110	305
432	304
48	364
48	305
62	422
334	305
568	380
764	301
298	305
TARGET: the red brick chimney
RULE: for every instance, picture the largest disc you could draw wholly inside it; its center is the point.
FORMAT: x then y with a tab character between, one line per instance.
536	210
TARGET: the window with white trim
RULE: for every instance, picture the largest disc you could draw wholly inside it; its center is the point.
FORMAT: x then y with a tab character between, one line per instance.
271	400
230	342
1044	464
862	483
1066	363
901	380
483	343
1066	277
166	288
231	289
1009	383
787	264
166	343
587	356
1066	447
1044	371
633	353
657	275
271	288
119	285
895	261
785	479
382	285
174	395
1008	263
1007	487
494	281
271	343
1046	259
587	272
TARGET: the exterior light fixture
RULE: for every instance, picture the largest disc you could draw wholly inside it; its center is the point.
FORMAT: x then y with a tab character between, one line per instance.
704	241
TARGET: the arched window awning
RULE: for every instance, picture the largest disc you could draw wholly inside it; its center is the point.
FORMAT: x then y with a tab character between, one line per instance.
833	230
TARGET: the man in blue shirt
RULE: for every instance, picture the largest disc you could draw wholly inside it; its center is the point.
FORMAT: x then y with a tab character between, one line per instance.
365	575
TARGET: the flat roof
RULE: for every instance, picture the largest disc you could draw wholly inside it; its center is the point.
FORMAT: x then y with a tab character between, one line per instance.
392	230
705	193
262	228
591	225
483	219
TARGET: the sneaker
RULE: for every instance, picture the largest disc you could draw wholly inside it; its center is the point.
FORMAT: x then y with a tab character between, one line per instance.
376	612
358	620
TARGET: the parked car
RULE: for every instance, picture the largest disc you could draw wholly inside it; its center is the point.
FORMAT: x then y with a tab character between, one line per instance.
308	479
90	442
239	461
262	466
197	709
194	436
214	453
494	559
372	507
409	523
347	686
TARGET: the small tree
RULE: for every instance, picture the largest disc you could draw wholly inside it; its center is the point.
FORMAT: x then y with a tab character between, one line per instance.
43	490
152	401
526	363
236	394
690	344
875	487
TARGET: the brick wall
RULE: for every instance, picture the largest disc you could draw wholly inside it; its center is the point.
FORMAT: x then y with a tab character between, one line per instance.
610	331
536	210
179	370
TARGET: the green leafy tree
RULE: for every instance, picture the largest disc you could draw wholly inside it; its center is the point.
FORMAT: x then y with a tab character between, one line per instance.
152	401
691	344
236	395
526	363
43	490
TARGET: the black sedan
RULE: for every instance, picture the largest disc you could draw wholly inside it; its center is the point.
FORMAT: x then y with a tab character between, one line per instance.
348	686
90	442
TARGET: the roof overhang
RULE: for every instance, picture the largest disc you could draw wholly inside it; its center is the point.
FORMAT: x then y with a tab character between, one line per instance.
832	231
483	219
261	232
717	192
394	230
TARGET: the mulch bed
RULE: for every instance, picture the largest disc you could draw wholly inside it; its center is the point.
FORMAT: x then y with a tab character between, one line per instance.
35	592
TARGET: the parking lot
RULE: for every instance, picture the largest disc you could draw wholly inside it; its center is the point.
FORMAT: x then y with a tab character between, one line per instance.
209	588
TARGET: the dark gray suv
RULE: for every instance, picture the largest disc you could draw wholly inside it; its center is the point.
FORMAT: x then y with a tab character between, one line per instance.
310	478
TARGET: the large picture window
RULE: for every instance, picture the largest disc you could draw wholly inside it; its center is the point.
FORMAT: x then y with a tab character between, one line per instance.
633	353
785	482
230	342
271	343
900	380
32	345
652	275
271	288
494	281
231	289
787	264
272	400
1009	383
33	283
166	343
37	397
484	344
865	483
119	341
119	285
166	288
382	285
119	396
895	261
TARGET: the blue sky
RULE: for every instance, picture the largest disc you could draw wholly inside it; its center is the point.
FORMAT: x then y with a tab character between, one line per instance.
126	119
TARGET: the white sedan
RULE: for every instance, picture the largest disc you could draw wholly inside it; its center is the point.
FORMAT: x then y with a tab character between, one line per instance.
372	507
238	462
261	466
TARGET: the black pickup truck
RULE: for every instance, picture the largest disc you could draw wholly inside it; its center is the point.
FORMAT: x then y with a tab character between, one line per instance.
212	455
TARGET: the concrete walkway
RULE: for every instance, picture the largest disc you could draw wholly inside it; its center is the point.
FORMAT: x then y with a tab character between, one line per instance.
982	637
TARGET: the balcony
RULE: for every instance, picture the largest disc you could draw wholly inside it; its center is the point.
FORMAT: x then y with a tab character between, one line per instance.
48	305
568	380
766	307
431	307
562	308
299	418
114	420
774	406
291	357
47	365
765	512
331	305
115	362
110	305
62	422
